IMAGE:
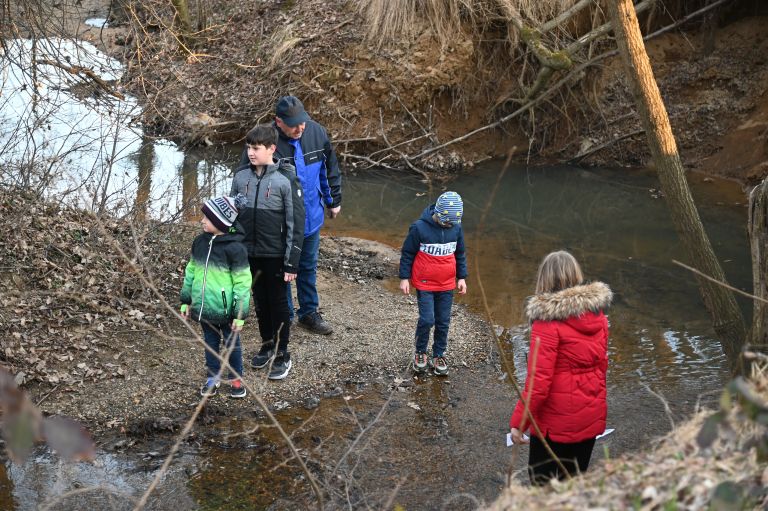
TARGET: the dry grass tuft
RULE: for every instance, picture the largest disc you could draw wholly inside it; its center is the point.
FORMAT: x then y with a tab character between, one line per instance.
282	42
391	20
677	474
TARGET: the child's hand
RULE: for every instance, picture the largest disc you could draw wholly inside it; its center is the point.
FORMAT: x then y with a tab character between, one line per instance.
184	311
518	437
237	325
462	285
289	277
405	286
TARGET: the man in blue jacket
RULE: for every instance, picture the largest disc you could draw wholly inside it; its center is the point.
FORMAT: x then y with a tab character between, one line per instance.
305	145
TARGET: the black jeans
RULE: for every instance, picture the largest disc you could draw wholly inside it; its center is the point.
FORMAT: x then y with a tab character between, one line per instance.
573	456
270	300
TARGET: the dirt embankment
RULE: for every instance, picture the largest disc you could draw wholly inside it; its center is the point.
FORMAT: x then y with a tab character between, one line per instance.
419	92
716	100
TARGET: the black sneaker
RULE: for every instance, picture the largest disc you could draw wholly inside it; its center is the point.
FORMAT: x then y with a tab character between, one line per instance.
264	356
237	390
210	387
280	366
314	322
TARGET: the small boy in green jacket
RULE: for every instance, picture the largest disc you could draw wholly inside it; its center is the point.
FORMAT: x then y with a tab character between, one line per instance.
216	290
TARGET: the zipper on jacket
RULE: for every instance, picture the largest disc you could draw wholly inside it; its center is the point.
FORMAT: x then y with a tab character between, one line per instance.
224	299
205	278
256	196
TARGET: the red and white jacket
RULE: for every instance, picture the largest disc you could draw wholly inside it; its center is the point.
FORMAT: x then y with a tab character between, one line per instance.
567	364
433	256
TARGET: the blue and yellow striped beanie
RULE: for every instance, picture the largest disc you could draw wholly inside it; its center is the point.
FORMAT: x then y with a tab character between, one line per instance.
449	208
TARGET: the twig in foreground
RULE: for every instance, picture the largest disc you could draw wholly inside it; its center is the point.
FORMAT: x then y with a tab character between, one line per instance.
724	284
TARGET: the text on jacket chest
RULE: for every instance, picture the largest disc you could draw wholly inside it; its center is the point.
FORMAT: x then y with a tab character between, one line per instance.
438	249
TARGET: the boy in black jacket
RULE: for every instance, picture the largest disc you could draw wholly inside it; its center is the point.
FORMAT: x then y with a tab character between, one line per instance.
273	219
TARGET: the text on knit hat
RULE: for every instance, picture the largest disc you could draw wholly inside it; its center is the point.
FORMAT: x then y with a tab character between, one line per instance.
221	211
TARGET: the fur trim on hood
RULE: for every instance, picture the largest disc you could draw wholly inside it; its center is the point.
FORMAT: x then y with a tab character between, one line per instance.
570	302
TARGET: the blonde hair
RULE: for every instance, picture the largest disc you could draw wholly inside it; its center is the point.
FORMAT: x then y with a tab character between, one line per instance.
559	270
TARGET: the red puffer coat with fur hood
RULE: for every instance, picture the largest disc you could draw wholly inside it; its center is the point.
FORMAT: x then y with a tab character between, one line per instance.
567	364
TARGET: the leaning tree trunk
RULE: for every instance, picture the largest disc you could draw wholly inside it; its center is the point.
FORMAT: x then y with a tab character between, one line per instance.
758	238
720	302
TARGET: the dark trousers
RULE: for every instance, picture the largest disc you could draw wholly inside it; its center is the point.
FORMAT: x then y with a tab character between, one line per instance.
270	300
221	338
573	456
434	311
306	278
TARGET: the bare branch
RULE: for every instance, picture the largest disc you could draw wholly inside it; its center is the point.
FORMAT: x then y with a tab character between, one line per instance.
719	282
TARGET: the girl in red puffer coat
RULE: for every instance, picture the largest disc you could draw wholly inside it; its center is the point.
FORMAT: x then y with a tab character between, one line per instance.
564	401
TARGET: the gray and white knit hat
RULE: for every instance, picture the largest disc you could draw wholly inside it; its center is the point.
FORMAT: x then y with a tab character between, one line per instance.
449	208
221	211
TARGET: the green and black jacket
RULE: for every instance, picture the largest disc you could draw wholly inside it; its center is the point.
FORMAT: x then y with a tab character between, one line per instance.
217	279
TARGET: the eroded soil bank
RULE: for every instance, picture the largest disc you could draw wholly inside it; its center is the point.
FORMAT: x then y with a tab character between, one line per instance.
422	92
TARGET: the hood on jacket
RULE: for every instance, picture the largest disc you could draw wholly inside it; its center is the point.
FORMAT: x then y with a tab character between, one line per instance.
569	303
426	215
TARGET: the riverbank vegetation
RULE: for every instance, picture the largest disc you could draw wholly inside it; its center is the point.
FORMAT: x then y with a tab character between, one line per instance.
436	86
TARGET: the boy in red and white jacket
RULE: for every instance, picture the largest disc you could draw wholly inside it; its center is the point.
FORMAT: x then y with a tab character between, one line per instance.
432	259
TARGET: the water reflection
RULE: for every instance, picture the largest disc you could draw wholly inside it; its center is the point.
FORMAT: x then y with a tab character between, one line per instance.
73	141
190	186
615	224
111	481
145	164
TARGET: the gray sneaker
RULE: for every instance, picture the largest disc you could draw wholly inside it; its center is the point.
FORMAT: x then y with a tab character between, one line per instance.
420	362
314	322
280	366
439	365
210	387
